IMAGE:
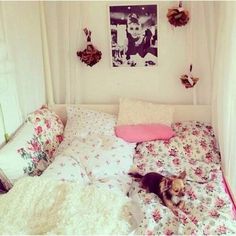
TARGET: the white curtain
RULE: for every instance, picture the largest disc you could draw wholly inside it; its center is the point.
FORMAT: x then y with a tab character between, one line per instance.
23	37
200	41
62	31
10	115
224	87
22	88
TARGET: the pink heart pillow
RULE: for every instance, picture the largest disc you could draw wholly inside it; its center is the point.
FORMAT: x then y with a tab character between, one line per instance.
144	132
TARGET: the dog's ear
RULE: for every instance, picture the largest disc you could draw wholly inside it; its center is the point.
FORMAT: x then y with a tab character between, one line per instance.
182	175
165	185
172	177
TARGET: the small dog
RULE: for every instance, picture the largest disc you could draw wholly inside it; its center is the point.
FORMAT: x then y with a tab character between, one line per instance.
170	190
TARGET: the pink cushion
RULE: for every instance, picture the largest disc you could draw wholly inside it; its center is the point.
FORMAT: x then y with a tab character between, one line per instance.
144	132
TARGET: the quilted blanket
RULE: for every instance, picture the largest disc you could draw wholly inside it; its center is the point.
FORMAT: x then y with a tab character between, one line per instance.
39	206
208	209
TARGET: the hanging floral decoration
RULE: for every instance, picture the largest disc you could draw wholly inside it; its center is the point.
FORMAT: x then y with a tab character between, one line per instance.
188	80
90	55
177	16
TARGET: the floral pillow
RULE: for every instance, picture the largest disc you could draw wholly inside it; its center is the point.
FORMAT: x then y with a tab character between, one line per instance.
91	121
48	129
197	140
83	123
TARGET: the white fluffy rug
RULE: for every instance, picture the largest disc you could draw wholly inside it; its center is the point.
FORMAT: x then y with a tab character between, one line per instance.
42	206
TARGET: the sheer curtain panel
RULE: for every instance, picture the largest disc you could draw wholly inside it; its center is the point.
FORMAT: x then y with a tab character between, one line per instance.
224	87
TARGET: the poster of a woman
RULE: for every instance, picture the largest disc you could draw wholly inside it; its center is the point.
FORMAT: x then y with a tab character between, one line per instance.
134	38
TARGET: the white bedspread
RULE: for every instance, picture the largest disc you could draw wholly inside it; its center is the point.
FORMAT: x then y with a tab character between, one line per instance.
44	206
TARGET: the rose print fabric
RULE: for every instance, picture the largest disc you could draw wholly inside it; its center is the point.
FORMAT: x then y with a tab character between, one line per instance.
35	157
208	210
47	134
48	128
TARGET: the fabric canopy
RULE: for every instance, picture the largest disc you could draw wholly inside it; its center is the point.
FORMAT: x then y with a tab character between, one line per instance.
224	87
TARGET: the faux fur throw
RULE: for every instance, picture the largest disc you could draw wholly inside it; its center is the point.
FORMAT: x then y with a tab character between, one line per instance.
38	205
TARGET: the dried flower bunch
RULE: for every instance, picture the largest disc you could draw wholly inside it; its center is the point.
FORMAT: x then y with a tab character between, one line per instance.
90	55
188	80
185	79
177	16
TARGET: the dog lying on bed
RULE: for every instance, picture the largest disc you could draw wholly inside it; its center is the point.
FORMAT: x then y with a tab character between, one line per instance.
170	190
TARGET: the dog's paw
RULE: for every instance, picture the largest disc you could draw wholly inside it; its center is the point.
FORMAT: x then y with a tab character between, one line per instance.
175	211
181	205
133	169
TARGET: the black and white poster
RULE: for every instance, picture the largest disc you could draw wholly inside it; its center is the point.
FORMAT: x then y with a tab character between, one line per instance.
134	40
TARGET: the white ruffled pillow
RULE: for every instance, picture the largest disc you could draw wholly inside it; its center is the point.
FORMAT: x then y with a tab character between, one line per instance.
133	112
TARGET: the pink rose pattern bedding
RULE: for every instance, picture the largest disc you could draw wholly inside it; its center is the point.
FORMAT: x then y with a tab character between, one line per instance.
208	209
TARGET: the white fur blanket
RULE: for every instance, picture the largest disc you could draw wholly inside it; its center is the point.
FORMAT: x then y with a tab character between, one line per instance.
43	206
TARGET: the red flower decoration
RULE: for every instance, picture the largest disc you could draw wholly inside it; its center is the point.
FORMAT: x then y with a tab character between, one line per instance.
177	16
185	79
188	80
90	55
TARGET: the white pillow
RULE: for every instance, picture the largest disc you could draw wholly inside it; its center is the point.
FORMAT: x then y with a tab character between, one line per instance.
132	112
83	123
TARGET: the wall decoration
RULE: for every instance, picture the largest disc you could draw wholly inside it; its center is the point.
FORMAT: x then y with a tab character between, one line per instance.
133	30
188	80
177	16
90	55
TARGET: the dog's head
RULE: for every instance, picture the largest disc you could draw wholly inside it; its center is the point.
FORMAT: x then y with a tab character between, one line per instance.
175	185
178	185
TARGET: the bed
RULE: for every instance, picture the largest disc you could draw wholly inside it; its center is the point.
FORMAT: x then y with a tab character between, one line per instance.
208	209
91	155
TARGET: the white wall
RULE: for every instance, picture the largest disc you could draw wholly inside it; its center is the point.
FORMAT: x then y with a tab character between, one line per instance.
101	83
104	84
